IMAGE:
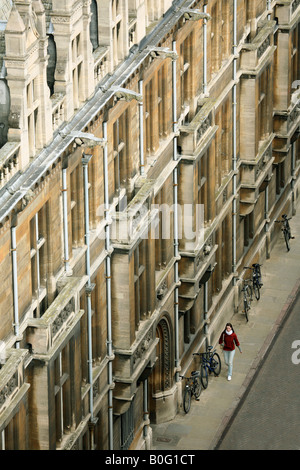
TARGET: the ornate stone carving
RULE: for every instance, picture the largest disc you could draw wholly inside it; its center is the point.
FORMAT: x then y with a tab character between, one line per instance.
62	317
144	346
8	389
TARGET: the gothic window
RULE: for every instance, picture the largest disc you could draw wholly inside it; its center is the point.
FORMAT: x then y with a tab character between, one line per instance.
280	176
51	50
163	231
203	195
225	30
149	117
32	114
263	126
185	69
127	427
248	228
117	31
94	25
98	318
62	391
120	140
4	111
132	35
76	192
38	256
161	102
140	282
187	326
13	436
213	38
294	59
225	138
77	70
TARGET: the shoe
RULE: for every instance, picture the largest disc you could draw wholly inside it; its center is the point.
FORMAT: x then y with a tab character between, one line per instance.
292	238
229	377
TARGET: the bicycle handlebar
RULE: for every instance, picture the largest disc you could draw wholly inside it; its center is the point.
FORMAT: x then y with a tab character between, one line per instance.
253	266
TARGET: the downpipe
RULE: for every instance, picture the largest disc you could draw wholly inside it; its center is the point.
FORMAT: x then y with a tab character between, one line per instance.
141	134
88	289
15	284
65	220
234	154
205	51
175	201
108	290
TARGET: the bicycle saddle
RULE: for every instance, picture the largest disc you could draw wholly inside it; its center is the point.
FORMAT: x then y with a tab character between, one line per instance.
195	373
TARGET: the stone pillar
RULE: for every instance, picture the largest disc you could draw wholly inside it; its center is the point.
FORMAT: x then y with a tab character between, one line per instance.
16	55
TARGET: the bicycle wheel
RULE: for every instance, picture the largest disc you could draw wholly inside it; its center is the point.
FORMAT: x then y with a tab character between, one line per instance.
187	400
197	387
204	376
246	307
259	274
216	363
249	292
256	288
287	239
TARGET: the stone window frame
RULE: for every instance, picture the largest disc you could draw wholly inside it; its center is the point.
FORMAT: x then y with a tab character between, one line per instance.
62	394
140	282
185	62
32	102
38	253
120	151
77	69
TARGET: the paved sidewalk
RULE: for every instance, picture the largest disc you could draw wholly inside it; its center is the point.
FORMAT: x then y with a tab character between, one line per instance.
202	427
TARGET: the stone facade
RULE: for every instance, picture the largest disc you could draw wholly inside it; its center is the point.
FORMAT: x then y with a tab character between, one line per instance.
146	148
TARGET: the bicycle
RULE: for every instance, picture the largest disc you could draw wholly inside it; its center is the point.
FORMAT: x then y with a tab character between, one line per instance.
247	299
286	230
256	279
210	362
192	388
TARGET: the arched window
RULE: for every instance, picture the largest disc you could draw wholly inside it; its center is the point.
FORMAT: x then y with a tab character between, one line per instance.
51	63
94	25
4	111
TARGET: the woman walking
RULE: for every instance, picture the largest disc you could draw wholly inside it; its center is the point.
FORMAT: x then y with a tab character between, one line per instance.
228	340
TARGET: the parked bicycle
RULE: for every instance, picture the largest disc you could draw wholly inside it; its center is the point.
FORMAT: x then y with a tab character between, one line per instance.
192	388
256	279
210	362
286	230
247	296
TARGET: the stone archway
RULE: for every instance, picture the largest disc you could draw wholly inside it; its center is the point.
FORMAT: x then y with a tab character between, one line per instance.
163	392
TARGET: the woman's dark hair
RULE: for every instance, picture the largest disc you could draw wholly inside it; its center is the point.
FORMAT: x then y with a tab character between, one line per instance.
229	324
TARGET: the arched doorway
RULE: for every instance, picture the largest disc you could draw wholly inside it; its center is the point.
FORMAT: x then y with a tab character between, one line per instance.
161	382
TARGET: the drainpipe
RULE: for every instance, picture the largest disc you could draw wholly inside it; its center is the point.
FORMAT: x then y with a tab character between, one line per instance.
146	413
175	198
108	290
141	136
268	242
15	284
88	289
65	220
293	177
205	50
205	295
268	8
234	137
